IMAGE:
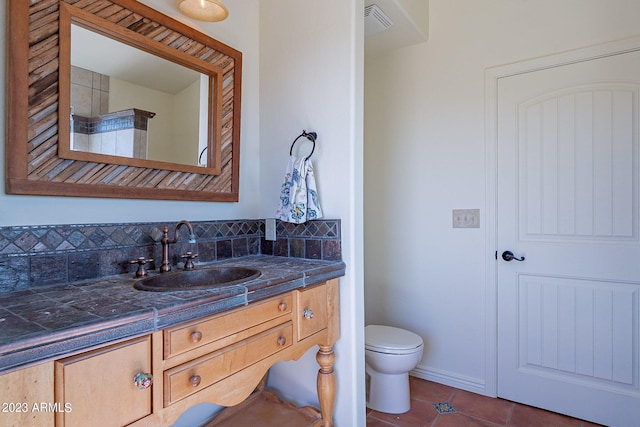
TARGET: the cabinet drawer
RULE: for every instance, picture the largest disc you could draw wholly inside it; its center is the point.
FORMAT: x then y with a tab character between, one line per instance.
188	336
99	386
191	377
312	307
23	392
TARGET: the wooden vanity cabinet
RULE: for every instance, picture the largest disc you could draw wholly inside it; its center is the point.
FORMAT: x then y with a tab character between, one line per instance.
217	359
222	358
99	385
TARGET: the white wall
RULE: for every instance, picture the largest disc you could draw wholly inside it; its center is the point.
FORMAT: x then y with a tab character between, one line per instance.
424	156
240	30
186	124
311	62
124	95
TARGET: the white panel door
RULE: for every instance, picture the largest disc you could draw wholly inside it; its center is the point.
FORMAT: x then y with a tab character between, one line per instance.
568	189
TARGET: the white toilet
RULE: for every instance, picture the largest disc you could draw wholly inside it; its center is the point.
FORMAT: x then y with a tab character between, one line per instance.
390	353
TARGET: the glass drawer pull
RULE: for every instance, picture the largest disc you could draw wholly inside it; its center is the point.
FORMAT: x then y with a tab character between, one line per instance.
143	380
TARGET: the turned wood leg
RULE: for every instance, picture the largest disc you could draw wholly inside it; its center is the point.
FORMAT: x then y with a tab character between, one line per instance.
326	383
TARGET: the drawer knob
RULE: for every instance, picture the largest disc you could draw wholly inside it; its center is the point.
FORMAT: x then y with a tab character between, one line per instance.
282	306
143	380
196	336
307	313
282	341
195	380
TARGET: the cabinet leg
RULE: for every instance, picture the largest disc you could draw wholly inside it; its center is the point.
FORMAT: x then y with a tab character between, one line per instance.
326	383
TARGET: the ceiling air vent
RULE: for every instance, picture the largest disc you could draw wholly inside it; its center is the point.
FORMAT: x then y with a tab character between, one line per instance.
375	20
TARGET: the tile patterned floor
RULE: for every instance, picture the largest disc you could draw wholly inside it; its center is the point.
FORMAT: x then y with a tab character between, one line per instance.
464	409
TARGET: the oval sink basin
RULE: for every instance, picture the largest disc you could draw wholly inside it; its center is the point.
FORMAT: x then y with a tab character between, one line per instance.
197	279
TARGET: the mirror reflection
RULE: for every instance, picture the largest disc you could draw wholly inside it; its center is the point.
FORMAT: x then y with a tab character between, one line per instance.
129	103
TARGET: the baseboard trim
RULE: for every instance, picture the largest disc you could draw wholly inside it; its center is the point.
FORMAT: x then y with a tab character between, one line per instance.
474	385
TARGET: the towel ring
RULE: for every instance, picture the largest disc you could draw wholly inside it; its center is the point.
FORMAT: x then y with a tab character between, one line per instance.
200	156
311	136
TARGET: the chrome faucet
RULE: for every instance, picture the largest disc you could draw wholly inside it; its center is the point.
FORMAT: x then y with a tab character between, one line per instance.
166	266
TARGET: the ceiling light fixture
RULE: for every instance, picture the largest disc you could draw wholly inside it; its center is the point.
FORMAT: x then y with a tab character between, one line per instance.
204	10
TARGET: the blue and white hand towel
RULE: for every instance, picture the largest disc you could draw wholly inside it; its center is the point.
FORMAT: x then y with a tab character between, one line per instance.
299	200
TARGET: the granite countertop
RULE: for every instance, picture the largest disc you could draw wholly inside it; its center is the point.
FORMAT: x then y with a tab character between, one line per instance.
52	322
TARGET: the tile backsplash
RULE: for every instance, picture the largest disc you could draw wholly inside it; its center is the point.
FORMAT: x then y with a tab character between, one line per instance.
36	256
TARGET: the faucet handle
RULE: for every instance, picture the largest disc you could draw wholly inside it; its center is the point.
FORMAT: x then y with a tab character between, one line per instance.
188	263
141	261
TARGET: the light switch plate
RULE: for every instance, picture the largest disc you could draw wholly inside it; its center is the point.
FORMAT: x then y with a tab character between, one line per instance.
270	229
466	218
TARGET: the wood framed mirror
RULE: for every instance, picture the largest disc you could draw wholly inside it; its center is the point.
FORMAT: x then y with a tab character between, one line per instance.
54	149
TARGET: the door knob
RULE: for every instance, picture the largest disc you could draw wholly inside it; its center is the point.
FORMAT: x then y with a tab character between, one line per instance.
508	256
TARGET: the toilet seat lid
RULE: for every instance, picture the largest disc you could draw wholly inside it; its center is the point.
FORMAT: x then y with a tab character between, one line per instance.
387	339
